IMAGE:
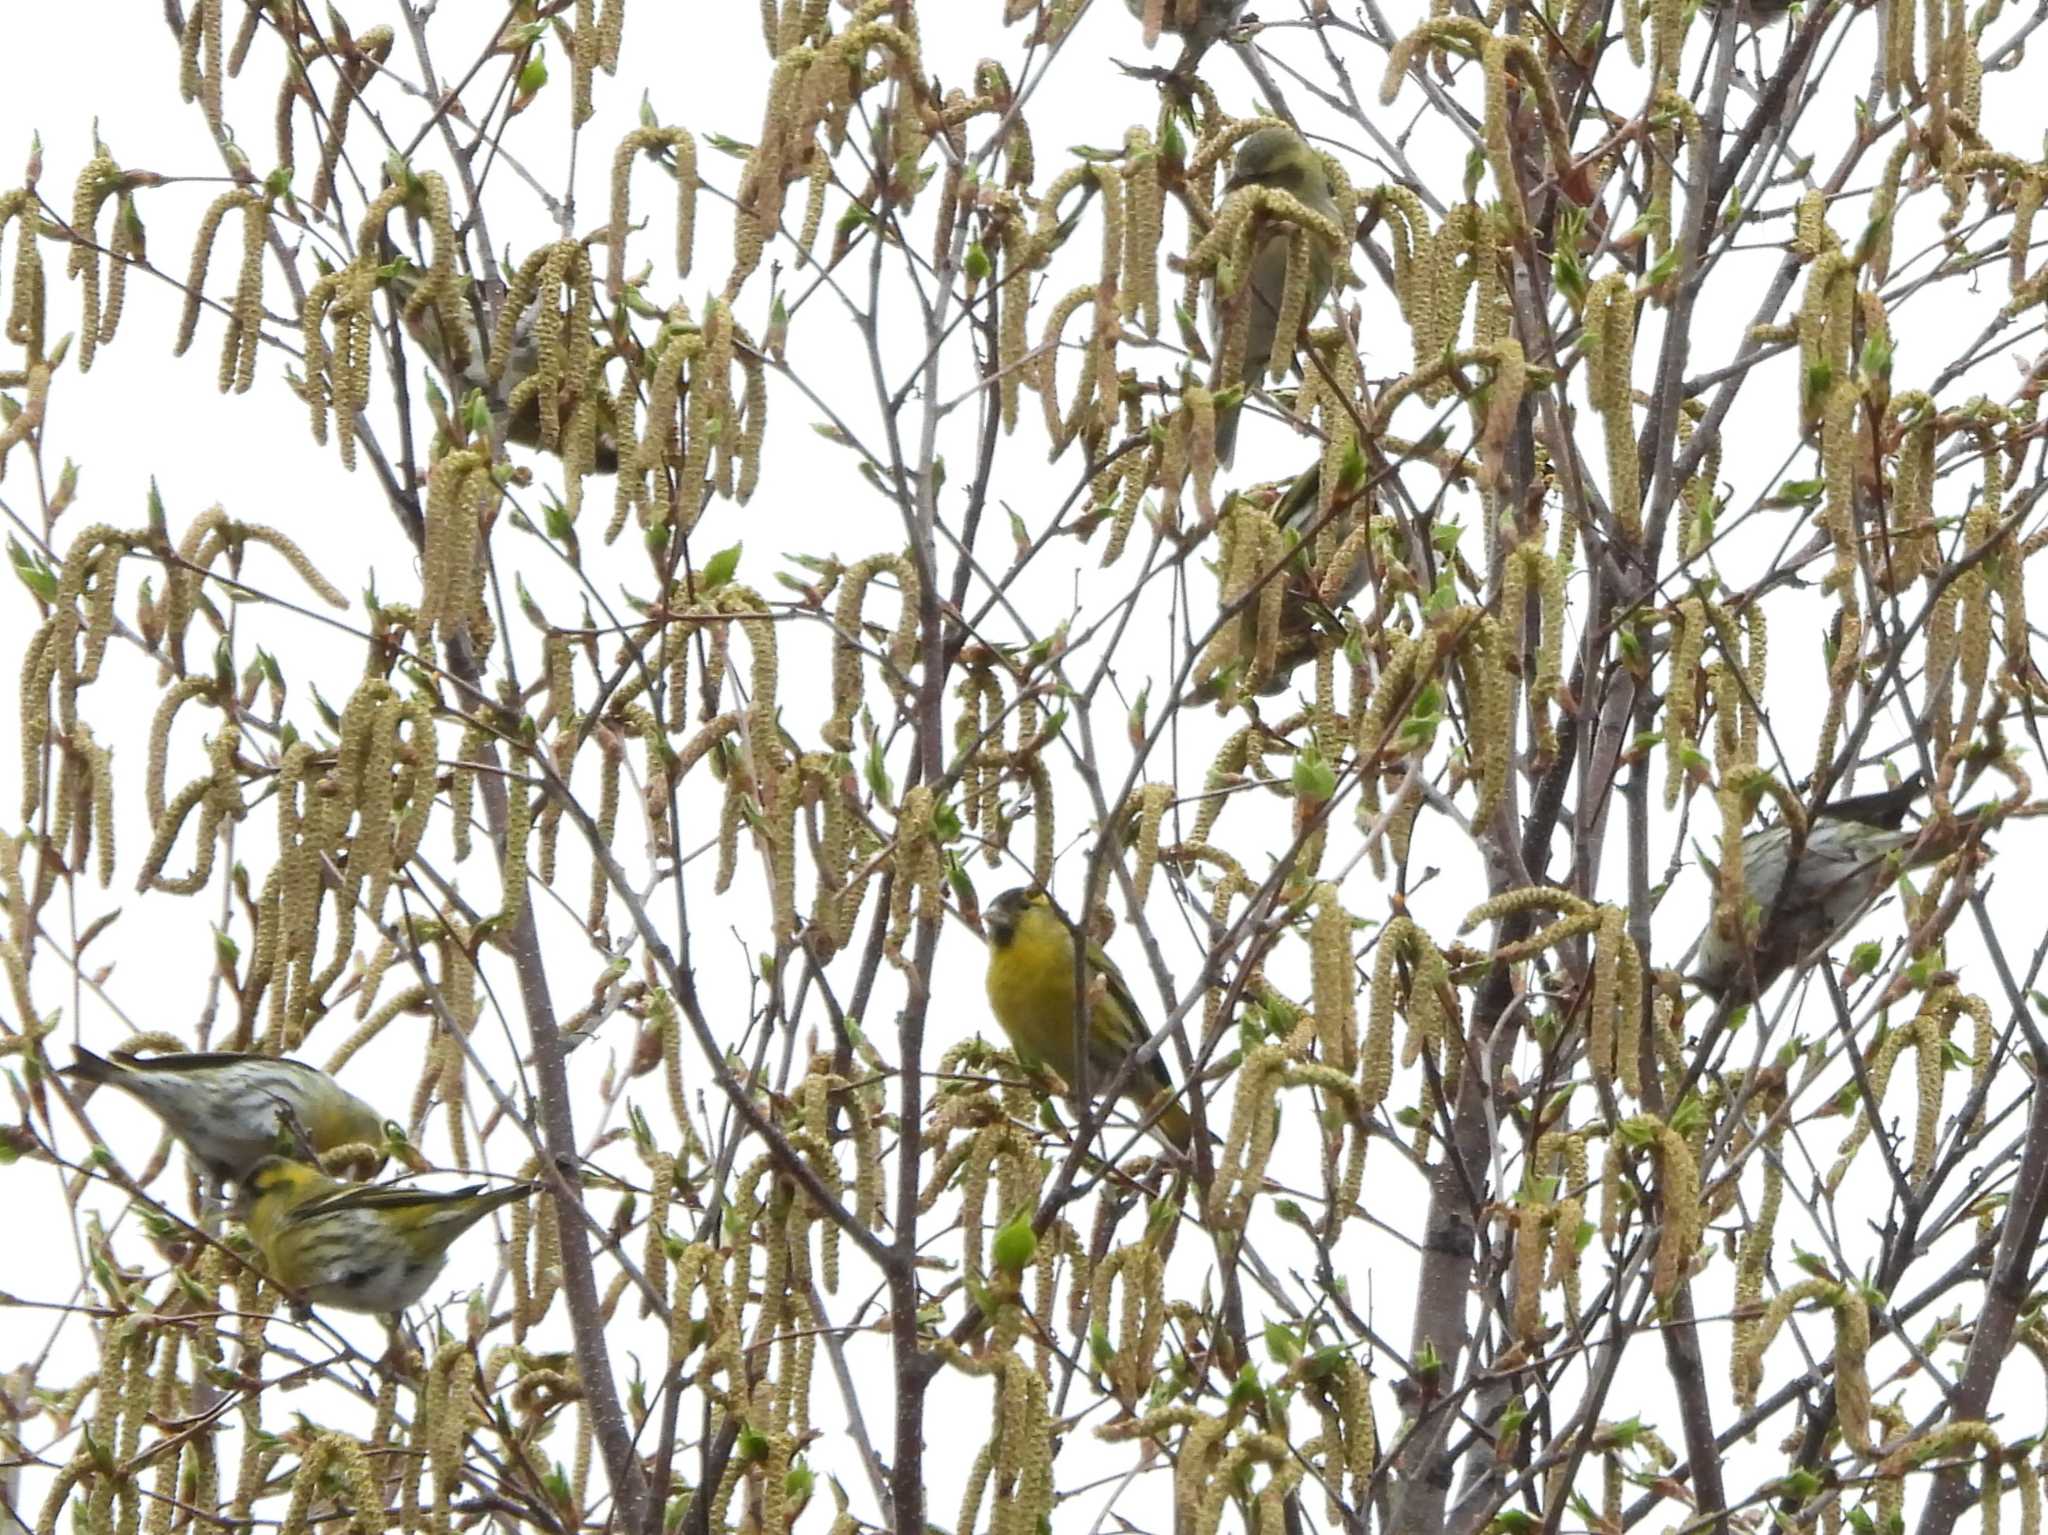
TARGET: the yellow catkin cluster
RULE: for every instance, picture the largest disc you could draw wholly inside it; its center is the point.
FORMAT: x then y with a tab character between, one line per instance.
594	45
382	782
1335	980
919	888
1529	569
1689	632
245	311
1186	456
1436	1025
1445	268
1148	810
652	141
357	61
1614	1023
977	732
1927	1036
99	179
1255	1124
1610	353
461	491
850	644
1138	279
1407	671
1012	1473
1497	56
813	92
1752	1261
1852	1348
337	383
1566	1152
1252	566
1490	727
696	427
1960	628
1678	1190
27	296
564	350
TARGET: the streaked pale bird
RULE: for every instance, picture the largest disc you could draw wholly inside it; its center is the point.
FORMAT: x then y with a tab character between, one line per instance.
1854	849
227	1110
359	1247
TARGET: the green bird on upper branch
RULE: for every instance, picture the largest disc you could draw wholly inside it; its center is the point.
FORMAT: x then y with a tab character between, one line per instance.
1198	23
1305	617
1276	159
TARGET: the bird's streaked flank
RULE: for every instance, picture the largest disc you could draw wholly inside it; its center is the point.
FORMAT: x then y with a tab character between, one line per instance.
359	1247
226	1109
1854	849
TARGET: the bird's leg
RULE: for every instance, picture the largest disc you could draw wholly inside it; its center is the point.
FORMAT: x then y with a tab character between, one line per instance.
289	1126
399	1347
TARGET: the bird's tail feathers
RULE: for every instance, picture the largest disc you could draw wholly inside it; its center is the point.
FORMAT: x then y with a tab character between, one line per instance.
1226	434
1886	808
87	1067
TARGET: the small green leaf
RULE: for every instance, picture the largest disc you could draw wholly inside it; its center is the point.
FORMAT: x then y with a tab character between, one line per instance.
720	568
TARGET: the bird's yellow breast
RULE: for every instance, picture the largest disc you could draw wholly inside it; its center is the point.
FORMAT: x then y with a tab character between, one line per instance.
1031	988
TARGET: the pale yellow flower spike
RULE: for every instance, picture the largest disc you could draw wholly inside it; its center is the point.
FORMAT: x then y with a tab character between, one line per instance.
650	141
98	181
1150	809
1678	1189
1335	980
1610	342
1682	712
1745	1362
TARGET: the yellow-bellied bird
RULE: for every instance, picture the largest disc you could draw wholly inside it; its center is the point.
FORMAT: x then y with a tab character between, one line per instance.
359	1247
1031	989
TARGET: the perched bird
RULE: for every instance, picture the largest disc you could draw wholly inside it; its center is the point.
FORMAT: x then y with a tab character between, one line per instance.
1031	988
227	1110
1757	14
460	359
1854	848
1198	23
1272	157
1305	613
357	1247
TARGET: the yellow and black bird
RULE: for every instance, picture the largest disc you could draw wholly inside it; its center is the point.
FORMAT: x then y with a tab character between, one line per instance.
359	1247
1031	989
1310	619
1274	157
